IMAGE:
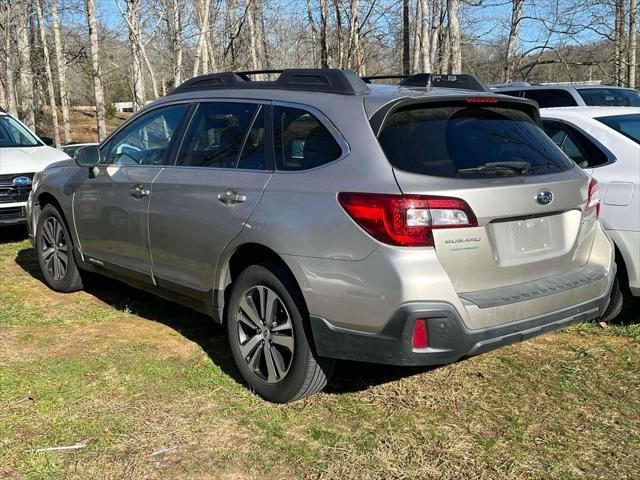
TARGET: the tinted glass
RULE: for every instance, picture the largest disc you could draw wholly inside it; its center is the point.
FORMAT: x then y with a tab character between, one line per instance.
551	98
216	135
442	141
512	93
301	141
627	125
575	144
12	134
610	97
146	140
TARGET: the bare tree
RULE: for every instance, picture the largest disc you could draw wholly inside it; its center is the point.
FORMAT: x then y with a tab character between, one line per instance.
253	34
454	37
202	50
633	43
27	100
514	35
435	33
10	88
47	67
415	57
425	48
173	17
356	60
618	42
406	49
62	72
324	28
98	90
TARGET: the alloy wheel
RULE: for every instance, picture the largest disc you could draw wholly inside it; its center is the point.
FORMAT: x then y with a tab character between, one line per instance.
54	250
265	334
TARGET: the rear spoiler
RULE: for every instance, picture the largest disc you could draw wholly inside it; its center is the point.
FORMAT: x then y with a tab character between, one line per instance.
529	107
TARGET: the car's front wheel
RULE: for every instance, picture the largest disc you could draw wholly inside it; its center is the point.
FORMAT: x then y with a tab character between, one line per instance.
54	249
266	326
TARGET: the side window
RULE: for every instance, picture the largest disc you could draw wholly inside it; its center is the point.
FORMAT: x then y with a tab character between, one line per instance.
146	140
551	98
512	93
217	133
575	144
301	141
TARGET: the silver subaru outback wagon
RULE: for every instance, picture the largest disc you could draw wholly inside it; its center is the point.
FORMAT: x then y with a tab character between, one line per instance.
322	217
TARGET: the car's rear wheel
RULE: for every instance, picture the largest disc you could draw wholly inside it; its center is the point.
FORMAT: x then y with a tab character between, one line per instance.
54	249
266	326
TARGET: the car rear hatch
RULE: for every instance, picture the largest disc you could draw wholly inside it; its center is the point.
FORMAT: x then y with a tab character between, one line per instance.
528	232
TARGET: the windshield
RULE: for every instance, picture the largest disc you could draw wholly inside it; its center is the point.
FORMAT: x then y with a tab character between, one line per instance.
13	134
627	125
610	97
469	142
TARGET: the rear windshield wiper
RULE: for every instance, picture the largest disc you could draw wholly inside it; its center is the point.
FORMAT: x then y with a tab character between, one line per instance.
496	167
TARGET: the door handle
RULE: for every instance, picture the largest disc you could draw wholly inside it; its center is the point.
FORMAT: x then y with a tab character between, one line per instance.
231	197
139	192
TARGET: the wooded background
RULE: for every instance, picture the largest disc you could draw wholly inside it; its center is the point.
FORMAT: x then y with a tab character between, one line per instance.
58	55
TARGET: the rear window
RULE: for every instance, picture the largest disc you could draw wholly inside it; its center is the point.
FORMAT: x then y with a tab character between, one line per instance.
610	97
627	125
454	141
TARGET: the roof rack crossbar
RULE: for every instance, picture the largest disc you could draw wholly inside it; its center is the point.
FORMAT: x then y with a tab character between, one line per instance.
328	80
369	78
465	82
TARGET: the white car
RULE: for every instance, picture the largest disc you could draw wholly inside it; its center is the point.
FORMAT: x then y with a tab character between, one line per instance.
605	141
22	154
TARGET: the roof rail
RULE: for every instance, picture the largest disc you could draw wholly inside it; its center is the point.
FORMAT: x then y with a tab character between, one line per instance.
384	77
464	82
512	84
328	80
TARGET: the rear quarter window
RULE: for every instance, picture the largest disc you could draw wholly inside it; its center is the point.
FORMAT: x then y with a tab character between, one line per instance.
442	141
551	98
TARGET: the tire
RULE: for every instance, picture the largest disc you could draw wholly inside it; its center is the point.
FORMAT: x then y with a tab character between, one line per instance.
54	249
272	352
616	301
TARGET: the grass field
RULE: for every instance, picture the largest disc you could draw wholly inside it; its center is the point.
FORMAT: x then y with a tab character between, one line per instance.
126	375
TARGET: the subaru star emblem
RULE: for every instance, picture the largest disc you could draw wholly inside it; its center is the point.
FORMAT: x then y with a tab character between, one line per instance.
544	197
21	182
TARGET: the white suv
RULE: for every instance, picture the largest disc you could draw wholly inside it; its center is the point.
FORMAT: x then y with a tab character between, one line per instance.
605	141
22	154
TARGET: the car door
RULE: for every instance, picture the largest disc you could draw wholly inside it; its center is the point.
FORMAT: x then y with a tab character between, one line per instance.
110	205
203	201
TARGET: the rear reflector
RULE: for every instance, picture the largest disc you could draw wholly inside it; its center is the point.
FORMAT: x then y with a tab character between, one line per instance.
406	220
420	334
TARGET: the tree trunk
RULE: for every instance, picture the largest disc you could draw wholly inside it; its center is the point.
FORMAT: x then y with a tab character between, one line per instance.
618	39
177	43
454	37
406	48
337	7
10	87
97	71
27	102
514	35
62	72
445	59
253	34
324	44
417	32
355	46
202	55
425	48
47	67
633	43
435	35
314	33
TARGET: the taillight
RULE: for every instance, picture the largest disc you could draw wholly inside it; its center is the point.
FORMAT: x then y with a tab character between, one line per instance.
406	220
593	199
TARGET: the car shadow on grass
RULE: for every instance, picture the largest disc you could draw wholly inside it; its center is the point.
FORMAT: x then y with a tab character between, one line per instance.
13	233
211	337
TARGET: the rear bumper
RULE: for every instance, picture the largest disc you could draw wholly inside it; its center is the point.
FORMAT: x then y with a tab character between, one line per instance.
449	338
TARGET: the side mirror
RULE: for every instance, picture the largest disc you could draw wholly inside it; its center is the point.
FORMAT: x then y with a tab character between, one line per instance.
88	156
48	141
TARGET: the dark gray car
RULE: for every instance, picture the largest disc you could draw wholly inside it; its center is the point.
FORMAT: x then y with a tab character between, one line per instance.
322	218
